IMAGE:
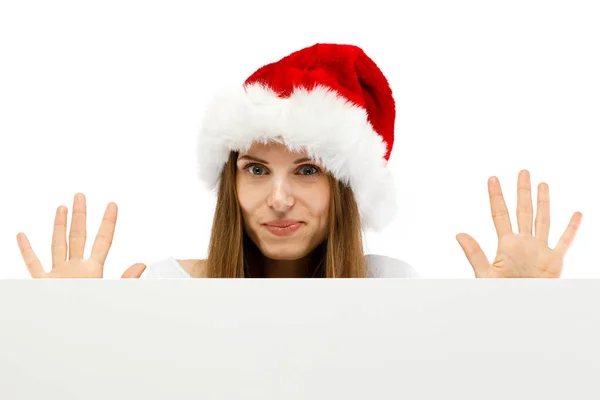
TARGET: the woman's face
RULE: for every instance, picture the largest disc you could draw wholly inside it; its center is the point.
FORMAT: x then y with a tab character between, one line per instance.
284	198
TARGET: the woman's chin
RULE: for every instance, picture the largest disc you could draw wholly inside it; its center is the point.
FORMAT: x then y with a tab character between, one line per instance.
281	252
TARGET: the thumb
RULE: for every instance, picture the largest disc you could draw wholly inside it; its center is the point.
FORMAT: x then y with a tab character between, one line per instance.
474	254
135	271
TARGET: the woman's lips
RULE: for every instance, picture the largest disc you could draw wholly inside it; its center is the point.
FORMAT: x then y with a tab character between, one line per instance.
282	228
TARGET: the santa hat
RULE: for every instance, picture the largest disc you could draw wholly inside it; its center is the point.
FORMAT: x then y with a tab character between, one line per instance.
328	99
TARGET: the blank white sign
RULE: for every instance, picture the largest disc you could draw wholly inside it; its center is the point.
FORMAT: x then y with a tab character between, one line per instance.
299	339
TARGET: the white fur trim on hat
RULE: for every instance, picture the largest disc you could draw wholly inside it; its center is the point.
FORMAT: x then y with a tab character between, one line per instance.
330	128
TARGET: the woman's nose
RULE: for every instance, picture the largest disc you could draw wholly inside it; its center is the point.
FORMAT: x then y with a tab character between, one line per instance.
281	197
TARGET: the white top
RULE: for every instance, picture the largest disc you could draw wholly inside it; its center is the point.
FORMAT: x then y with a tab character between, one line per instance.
377	265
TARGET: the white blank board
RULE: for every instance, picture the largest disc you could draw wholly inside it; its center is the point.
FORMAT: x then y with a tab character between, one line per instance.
299	339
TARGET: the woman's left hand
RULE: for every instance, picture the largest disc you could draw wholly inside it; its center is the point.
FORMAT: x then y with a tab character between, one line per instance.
521	255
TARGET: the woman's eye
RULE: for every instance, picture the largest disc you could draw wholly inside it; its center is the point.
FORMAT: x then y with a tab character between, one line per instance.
255	170
309	170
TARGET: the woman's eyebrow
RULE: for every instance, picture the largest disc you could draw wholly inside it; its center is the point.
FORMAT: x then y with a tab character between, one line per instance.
301	160
247	157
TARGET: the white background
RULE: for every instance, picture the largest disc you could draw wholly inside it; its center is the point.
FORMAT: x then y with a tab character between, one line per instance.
105	97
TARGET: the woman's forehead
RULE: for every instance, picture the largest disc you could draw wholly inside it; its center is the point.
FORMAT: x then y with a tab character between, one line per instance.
273	149
277	153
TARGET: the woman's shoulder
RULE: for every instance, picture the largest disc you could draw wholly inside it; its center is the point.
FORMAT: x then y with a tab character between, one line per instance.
380	266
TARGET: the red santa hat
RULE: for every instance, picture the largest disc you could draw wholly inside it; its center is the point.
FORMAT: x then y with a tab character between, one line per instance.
328	99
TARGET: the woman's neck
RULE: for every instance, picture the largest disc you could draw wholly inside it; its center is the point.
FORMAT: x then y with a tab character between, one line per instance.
263	267
287	268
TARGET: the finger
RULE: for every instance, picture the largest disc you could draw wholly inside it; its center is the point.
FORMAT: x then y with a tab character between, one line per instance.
33	263
568	236
474	254
524	203
77	236
59	237
135	271
498	207
542	217
105	234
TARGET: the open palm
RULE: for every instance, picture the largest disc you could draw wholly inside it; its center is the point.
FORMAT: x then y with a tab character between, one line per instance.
76	266
522	254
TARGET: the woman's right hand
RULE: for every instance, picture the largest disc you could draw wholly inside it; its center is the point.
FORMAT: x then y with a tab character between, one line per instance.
76	266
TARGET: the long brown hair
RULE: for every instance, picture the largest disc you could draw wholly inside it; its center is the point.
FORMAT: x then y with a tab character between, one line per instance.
231	253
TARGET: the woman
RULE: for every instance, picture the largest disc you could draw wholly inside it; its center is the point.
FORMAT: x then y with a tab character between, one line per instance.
299	154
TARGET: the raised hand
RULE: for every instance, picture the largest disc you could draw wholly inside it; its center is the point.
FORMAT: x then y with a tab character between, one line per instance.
522	254
75	266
